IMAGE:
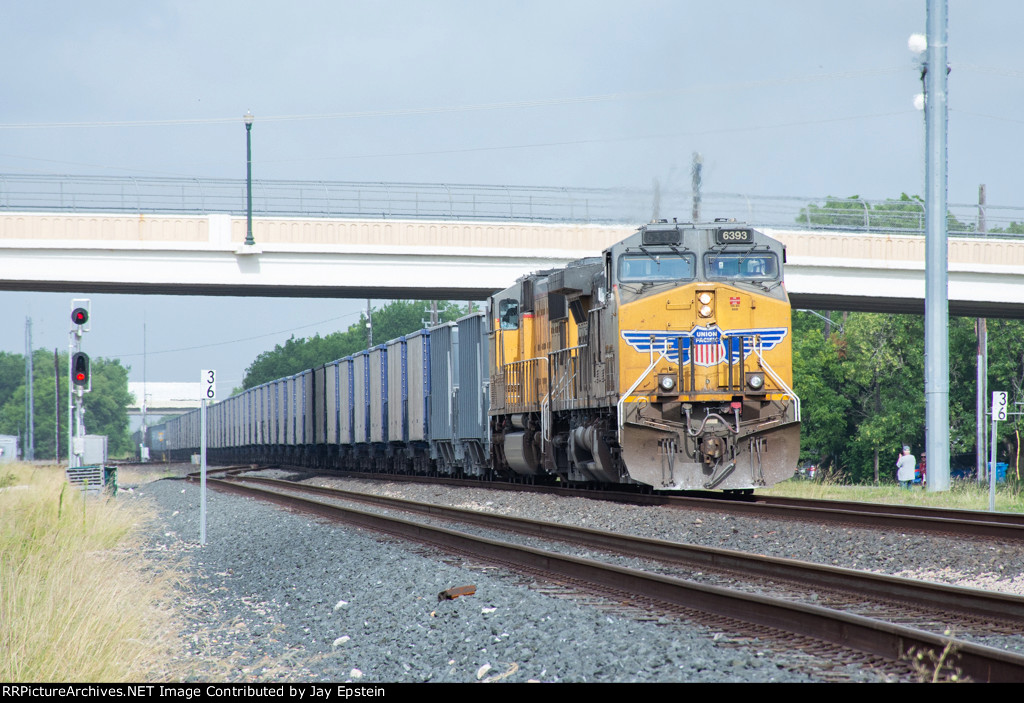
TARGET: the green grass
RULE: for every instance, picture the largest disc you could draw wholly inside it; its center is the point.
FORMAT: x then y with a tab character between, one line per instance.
78	602
962	495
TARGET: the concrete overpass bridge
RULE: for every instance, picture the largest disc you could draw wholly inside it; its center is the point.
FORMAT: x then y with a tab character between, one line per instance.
351	258
462	245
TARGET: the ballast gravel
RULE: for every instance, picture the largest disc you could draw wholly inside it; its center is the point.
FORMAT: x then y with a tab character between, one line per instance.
278	596
975	563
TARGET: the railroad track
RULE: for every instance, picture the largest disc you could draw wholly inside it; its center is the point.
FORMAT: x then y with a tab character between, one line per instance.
905	518
873	637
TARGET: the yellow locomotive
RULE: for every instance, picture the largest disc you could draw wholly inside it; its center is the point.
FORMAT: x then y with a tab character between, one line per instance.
666	362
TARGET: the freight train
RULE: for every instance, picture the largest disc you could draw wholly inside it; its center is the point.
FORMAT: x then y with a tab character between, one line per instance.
665	362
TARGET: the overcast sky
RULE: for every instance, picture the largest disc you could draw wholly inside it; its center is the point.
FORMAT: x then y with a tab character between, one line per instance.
782	98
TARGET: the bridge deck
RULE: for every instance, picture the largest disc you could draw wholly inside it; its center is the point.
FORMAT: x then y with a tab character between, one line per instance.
324	257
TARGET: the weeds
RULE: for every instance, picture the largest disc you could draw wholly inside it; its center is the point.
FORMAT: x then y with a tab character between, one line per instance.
965	495
77	601
930	667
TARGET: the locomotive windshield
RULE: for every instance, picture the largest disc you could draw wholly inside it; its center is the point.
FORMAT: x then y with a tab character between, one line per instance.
656	267
756	267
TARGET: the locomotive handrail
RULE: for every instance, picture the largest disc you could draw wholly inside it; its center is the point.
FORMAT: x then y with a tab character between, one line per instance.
637	382
519	371
740	382
778	379
560	360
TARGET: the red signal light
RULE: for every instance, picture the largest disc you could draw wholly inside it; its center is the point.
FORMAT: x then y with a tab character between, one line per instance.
80	370
79	316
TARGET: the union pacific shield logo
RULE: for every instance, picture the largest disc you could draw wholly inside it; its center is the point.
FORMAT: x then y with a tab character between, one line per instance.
709	346
706	346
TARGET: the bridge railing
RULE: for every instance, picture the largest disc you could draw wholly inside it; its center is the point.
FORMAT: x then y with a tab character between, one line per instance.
198	196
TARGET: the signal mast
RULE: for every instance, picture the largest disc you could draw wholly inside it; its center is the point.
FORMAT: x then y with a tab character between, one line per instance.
79	380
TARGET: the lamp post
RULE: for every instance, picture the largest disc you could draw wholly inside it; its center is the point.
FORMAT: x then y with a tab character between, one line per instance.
934	70
248	118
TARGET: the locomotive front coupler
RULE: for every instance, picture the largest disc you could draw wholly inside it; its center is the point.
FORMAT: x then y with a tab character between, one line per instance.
688	409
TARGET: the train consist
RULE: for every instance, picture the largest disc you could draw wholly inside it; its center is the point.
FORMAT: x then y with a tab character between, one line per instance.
664	362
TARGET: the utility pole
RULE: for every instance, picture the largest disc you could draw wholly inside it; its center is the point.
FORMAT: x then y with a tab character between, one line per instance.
56	401
656	201
695	173
144	430
369	324
981	326
30	406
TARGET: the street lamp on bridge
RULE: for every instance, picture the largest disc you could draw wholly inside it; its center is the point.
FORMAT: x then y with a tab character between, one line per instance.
248	118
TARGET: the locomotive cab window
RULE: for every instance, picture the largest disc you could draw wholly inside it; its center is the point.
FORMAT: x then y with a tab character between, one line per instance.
756	267
508	313
656	267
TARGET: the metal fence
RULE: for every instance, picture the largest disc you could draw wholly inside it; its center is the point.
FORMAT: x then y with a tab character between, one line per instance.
127	194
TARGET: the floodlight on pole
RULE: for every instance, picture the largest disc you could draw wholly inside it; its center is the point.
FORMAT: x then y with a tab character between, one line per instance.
917	43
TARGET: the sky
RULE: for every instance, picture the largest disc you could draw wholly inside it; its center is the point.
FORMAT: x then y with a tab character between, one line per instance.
784	98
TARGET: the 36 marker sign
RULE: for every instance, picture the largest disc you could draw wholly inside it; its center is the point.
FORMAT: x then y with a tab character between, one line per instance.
999	405
208	384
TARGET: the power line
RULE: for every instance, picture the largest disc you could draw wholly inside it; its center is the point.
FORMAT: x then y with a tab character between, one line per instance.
990	117
996	70
245	339
509	105
607	140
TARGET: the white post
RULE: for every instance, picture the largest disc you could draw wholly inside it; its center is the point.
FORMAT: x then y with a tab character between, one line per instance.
207	391
202	472
992	468
999	401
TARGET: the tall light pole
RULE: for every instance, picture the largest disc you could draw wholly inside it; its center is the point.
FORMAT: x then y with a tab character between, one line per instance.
248	118
936	301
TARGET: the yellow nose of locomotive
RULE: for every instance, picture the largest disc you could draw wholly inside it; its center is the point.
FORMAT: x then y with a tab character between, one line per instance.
705	366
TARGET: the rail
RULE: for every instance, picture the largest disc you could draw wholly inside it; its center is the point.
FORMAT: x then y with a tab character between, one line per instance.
875	637
292	198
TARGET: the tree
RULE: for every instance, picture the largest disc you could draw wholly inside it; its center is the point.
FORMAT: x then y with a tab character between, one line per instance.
1012	228
12	375
873	370
397	318
885	372
1006	372
819	381
906	212
106	407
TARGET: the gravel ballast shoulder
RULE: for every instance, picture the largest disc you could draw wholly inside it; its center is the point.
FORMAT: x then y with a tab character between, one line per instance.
970	562
278	596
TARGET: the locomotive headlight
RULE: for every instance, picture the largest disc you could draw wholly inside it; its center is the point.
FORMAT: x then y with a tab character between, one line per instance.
704	298
666	383
755	381
705	311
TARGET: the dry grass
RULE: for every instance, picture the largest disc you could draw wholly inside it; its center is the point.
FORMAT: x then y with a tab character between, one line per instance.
78	601
965	495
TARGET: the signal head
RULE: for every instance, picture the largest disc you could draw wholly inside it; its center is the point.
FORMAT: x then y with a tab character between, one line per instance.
80	376
79	316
